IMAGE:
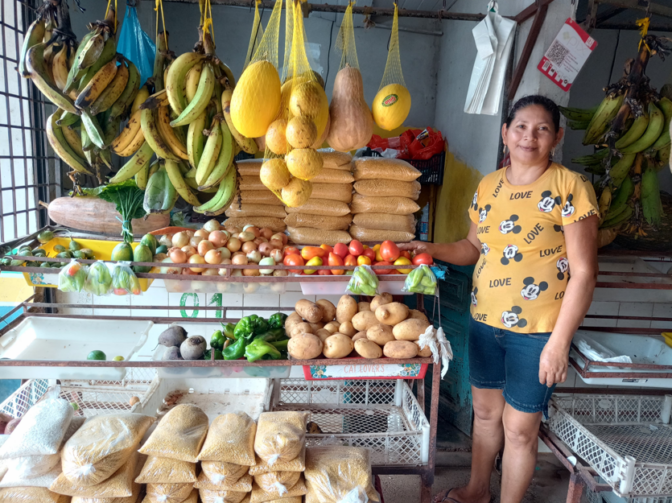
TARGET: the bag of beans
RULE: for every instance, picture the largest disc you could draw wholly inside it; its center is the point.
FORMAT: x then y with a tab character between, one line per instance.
250	182
388	188
31	495
256	197
333	176
130	499
333	159
165	471
208	496
256	210
390	205
275	224
168	493
277	482
243	484
250	167
317	237
318	221
179	435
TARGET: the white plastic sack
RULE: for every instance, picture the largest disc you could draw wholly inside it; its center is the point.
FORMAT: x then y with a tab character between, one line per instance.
440	346
597	352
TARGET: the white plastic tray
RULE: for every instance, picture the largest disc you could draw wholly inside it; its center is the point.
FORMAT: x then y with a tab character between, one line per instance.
640	349
67	339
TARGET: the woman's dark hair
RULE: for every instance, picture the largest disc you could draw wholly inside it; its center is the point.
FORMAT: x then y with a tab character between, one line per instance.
535	99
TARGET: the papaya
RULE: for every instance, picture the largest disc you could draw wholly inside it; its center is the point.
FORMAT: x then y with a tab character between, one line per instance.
149	241
123	252
142	253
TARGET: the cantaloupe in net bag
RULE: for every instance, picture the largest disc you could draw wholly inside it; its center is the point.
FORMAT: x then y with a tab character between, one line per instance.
392	104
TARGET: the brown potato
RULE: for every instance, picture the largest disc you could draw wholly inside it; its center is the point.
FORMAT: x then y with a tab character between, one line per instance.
358	336
328	310
346	309
309	311
323	334
364	306
332	326
363	321
300	328
392	313
380	334
379	300
418	315
409	330
424	353
316	327
368	349
346	328
337	346
400	349
304	347
292	320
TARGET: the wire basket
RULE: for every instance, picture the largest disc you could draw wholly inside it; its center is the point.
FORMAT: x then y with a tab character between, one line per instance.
381	415
610	497
626	439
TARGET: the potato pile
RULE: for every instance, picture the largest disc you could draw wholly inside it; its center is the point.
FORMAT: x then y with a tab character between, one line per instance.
325	216
381	327
384	202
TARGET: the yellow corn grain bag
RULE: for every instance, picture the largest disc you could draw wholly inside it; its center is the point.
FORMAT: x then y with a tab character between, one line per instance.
332	472
249	167
388	188
295	465
336	160
280	435
168	493
277	482
230	439
31	495
256	197
220	471
385	222
101	446
391	205
250	182
319	221
275	224
243	484
328	175
322	207
376	235
256	210
260	496
179	435
380	168
317	237
208	496
165	471
130	499
332	191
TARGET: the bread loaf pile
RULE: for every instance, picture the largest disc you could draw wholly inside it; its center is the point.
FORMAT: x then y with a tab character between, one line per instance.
254	204
384	200
325	218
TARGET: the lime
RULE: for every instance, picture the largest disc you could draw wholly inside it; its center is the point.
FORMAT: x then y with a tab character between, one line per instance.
96	355
74	405
118	358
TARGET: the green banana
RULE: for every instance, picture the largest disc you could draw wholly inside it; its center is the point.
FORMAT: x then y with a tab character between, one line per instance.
210	153
634	133
206	85
664	138
33	36
62	148
655	127
621	169
91	51
652	207
160	195
222	199
578	125
605	113
75	74
621	198
592	159
132	88
142	176
108	54
139	160
36	67
224	160
196	140
176	178
87	144
93	130
159	61
68	119
175	79
105	156
578	114
110	129
619	219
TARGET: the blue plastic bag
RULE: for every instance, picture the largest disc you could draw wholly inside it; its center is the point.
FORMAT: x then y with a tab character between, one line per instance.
136	45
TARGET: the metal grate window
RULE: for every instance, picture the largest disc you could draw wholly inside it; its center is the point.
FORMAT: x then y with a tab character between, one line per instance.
29	171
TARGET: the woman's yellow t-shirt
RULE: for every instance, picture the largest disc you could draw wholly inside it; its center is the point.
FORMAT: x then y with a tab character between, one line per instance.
521	276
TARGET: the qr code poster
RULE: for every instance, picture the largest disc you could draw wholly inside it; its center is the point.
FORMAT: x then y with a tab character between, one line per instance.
567	54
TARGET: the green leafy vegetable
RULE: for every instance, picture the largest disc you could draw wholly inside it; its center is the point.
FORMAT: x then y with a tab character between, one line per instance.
128	198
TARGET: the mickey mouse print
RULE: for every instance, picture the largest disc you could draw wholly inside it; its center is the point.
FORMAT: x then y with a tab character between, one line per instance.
522	227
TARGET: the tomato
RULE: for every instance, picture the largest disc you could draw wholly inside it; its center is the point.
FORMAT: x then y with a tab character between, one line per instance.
290	250
423	258
312	261
403	261
363	260
293	259
383	271
356	248
389	251
379	257
336	260
309	252
327	248
324	272
370	253
406	253
341	250
350	260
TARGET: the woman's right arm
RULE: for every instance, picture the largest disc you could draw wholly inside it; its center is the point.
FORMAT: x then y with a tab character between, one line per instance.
463	252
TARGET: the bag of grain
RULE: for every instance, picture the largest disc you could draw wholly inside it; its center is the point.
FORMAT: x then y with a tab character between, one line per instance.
390	205
192	498
381	168
317	237
332	191
295	465
280	435
165	471
13	479
333	159
277	482
323	207
220	471
259	495
256	210
275	224
31	495
230	439
385	222
249	167
387	188
179	435
243	484
377	235
333	176
133	498
257	197
208	496
168	493
318	221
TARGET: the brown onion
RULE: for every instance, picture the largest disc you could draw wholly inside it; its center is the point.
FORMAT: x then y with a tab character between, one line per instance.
254	256
202	232
226	253
246	236
234	244
266	232
239	260
251	272
180	239
249	246
276	243
178	256
283	237
276	254
211	225
189	250
210	272
213	257
197	259
204	247
195	240
218	238
265	249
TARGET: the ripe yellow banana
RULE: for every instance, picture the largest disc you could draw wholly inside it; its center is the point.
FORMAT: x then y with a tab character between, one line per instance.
74	139
169	135
112	92
191	82
222	199
59	67
176	178
206	86
210	153
130	131
224	161
135	164
142	176
653	130
33	36
96	85
175	79
150	128
121	106
62	148
37	69
140	98
196	140
248	145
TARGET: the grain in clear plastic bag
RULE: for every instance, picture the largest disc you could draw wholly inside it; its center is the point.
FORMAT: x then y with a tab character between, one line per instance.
13	479
133	498
179	435
317	237
192	498
330	175
373	168
333	159
385	222
243	484
72	277
318	221
322	207
390	205
280	435
362	234
165	470
260	495
333	191
102	446
168	493
230	439
388	188
277	482
31	495
208	496
297	464
220	471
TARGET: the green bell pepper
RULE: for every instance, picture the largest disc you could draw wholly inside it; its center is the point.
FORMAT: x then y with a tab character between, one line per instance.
244	328
228	330
281	345
208	354
259	348
236	350
277	320
217	340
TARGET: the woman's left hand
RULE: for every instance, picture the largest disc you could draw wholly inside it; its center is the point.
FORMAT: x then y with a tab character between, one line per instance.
553	364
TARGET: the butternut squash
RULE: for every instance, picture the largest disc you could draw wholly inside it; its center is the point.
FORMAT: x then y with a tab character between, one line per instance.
351	119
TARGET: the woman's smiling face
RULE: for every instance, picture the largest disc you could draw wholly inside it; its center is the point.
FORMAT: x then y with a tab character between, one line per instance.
531	136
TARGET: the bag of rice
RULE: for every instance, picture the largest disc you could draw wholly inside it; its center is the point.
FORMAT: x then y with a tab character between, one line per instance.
119	485
165	471
332	191
179	435
328	175
168	493
208	496
336	160
318	221
375	235
102	446
220	471
256	210
40	431
230	439
277	482
243	484
390	205
256	197
335	473
13	479
31	495
381	168
129	499
260	496
317	237
385	222
275	224
295	465
250	182
280	435
323	207
249	166
387	188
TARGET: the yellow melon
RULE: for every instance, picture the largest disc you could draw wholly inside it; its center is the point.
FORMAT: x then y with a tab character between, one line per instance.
391	106
309	100
275	137
304	163
274	174
301	132
256	99
296	192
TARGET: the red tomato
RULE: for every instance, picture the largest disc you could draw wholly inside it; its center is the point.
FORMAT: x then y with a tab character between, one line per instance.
383	271
363	260
371	253
294	259
336	260
356	248
389	251
327	248
324	272
290	250
341	250
405	253
350	260
308	252
423	258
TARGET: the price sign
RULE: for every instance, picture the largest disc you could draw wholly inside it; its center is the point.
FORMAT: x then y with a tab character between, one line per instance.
365	370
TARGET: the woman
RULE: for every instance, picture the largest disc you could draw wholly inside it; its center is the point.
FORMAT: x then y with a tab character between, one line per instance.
533	224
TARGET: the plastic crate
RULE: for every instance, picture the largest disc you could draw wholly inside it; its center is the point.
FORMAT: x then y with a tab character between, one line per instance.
610	497
383	416
626	439
431	169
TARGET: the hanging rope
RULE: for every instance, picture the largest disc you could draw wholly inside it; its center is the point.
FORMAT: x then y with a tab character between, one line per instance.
107	11
159	5
643	31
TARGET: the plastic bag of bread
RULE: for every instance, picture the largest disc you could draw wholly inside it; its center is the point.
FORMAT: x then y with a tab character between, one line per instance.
381	168
277	482
385	222
335	474
275	224
390	205
220	471
328	175
332	191
31	495
318	221
179	435
388	188
333	159
208	496
259	495
256	210
133	498
295	465
317	237
243	484
165	471
376	235
168	493
323	207
280	435
101	446
230	439
256	197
